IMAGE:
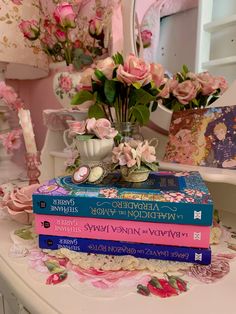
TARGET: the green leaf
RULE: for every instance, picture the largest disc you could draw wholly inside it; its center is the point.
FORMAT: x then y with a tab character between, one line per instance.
151	166
137	85
154	106
85	59
110	90
142	97
95	111
53	266
155	283
24	233
84	137
185	69
118	58
81	97
141	113
195	102
100	75
176	106
77	52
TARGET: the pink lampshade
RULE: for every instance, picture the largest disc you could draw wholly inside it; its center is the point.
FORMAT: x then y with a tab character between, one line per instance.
23	59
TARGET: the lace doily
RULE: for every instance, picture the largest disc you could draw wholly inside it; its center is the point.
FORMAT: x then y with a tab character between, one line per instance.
114	263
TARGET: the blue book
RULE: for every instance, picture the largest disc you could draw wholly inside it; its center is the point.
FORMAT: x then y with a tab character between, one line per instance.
162	252
168	197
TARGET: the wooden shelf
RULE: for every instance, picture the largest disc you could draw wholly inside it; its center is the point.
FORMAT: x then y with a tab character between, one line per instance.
218	25
219	62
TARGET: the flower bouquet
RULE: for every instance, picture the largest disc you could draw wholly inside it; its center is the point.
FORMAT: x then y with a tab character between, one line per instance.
135	159
121	90
187	90
66	36
93	138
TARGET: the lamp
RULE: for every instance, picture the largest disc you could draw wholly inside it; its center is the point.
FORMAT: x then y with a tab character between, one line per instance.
19	59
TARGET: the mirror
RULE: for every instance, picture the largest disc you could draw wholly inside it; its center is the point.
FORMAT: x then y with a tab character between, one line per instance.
198	33
172	29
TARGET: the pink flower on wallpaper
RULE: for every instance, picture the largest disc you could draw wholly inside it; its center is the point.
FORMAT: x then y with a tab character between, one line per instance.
65	83
11	140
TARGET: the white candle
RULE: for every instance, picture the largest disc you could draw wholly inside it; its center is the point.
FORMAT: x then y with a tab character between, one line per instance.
27	129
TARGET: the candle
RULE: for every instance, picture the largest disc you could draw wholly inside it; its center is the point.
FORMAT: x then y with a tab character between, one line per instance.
27	129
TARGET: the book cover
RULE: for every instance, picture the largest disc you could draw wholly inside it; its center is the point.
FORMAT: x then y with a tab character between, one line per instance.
123	230
168	197
203	137
162	252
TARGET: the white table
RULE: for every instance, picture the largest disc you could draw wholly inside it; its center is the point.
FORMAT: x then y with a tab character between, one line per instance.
25	294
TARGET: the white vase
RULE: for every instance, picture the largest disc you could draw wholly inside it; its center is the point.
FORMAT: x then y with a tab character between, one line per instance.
94	151
162	117
65	82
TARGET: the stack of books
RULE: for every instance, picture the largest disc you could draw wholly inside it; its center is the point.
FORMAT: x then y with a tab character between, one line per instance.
167	217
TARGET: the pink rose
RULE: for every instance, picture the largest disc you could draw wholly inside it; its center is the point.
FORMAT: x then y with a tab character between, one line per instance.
168	88
208	83
65	83
77	127
90	124
95	27
64	15
157	72
146	37
106	66
185	91
48	41
124	155
146	152
30	29
86	79
60	35
102	129
134	70
222	84
19	203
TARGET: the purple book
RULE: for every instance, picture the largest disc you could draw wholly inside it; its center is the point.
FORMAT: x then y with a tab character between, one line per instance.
150	251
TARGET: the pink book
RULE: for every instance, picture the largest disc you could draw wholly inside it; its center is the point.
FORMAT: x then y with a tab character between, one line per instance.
122	230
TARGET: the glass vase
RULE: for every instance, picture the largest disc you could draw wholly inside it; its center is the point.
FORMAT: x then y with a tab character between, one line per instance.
128	131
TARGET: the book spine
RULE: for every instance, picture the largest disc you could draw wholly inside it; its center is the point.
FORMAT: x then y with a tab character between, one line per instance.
122	230
136	210
162	252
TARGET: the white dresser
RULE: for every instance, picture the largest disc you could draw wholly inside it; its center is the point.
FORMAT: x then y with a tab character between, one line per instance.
20	293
